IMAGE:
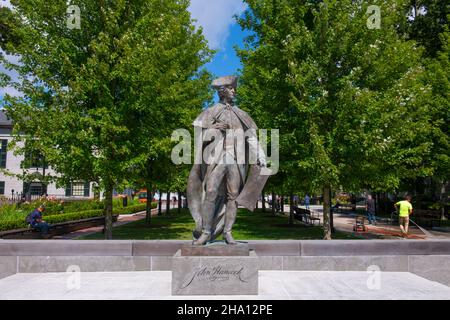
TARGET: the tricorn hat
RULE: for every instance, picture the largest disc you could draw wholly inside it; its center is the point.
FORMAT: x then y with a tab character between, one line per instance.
225	81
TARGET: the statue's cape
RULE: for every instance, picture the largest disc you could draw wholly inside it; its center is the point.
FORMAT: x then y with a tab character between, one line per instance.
253	188
206	118
199	172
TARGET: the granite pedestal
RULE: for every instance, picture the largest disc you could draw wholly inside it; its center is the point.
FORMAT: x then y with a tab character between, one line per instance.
216	269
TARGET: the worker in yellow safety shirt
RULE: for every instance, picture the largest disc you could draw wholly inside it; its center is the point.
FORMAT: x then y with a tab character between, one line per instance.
405	209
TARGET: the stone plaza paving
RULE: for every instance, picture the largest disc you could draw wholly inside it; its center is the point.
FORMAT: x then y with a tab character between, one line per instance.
285	285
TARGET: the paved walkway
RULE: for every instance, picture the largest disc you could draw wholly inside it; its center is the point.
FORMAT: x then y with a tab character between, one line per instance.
285	285
383	230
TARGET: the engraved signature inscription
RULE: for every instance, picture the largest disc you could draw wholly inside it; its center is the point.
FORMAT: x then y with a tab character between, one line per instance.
215	273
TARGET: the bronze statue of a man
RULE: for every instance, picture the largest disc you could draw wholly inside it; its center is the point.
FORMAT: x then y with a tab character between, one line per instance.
216	183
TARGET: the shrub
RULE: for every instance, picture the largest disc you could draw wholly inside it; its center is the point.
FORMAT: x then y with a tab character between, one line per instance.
72	216
52	206
10	212
118	202
17	222
12	224
55	218
133	209
3	200
83	205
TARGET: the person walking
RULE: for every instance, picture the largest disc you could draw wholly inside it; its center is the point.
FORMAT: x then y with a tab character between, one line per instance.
307	201
296	200
370	208
405	209
278	203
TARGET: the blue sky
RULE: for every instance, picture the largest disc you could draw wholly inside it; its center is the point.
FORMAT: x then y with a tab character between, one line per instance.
226	62
219	27
216	17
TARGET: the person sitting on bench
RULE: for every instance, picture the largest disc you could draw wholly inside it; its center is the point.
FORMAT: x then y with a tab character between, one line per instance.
36	222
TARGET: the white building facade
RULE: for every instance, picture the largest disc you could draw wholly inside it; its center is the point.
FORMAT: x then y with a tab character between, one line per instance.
13	186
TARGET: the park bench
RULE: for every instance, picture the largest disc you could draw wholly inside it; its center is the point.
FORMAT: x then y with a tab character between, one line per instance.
305	216
55	229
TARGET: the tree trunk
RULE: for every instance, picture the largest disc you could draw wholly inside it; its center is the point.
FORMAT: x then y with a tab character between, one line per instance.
375	200
415	8
179	202
291	209
331	214
273	203
419	190
442	200
168	202
263	202
148	206
108	212
160	204
282	204
44	184
326	212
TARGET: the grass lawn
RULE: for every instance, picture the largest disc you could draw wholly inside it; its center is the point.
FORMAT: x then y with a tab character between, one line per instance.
249	226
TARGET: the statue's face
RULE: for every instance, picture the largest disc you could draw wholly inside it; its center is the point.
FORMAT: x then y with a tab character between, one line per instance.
227	93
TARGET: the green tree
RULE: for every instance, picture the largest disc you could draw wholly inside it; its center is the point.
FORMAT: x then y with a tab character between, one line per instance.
438	79
346	97
92	94
427	24
8	37
427	20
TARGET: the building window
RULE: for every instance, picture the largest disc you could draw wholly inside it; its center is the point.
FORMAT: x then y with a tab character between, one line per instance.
34	160
36	188
2	187
78	189
3	153
33	157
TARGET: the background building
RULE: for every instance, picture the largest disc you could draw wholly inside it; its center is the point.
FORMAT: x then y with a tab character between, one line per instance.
13	186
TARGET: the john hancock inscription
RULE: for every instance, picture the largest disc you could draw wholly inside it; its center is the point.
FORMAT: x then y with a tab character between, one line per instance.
215	273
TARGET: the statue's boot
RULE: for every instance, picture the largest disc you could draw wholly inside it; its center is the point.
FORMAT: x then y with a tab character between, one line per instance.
204	238
229	238
207	214
230	218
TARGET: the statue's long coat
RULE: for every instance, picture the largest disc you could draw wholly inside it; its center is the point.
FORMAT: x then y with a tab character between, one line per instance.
197	179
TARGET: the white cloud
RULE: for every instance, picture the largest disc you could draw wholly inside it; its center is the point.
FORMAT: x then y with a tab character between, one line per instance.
13	92
216	17
5	3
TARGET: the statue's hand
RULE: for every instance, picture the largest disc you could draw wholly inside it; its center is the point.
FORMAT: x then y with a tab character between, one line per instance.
220	126
262	162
